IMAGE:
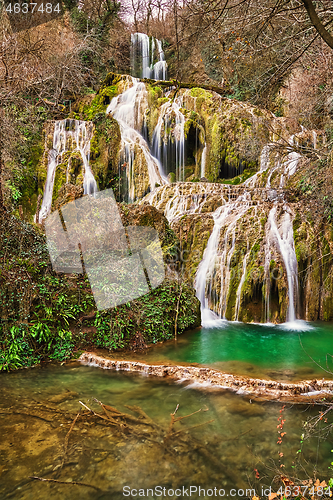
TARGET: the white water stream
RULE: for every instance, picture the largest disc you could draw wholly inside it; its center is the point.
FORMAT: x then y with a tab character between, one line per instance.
168	143
203	162
145	47
284	239
68	135
128	109
215	257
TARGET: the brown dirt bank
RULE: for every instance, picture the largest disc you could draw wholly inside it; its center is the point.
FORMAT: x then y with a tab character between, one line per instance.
304	391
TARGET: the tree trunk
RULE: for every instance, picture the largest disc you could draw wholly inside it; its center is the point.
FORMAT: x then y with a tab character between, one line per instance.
325	35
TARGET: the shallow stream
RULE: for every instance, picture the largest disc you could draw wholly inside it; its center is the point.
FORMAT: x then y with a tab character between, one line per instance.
221	447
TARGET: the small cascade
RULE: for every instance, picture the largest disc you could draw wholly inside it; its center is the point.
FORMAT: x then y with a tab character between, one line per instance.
264	165
176	200
160	68
168	143
82	139
203	161
282	159
69	135
128	109
241	283
284	240
144	60
290	162
216	262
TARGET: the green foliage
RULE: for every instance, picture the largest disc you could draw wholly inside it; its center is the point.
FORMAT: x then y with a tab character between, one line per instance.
15	349
41	333
153	316
63	345
305	185
38	304
16	194
26	345
25	150
239	179
41	307
95	24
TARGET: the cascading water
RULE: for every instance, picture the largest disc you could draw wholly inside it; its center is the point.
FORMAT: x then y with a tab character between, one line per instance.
284	240
203	162
160	68
168	143
290	162
264	165
128	109
68	135
214	259
143	57
215	276
241	283
176	200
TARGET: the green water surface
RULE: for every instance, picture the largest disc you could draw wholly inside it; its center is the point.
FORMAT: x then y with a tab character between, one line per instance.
268	351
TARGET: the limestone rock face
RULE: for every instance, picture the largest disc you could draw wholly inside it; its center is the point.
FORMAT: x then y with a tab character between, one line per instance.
147	215
66	194
244	236
256	228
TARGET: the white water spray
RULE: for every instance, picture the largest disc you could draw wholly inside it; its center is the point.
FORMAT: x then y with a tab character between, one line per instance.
128	109
225	216
203	162
66	133
144	47
168	143
284	240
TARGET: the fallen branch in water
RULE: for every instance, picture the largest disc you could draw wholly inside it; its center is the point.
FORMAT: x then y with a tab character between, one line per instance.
15	412
65	482
174	420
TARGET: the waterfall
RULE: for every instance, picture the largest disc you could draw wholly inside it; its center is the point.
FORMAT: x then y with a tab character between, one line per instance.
203	161
160	68
82	138
128	109
213	277
168	143
68	135
241	283
264	165
225	216
143	57
273	159
284	241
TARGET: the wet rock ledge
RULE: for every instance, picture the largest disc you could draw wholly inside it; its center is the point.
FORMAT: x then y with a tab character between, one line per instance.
206	377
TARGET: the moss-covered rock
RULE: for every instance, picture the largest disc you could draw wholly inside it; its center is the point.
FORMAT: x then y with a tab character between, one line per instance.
104	153
41	310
